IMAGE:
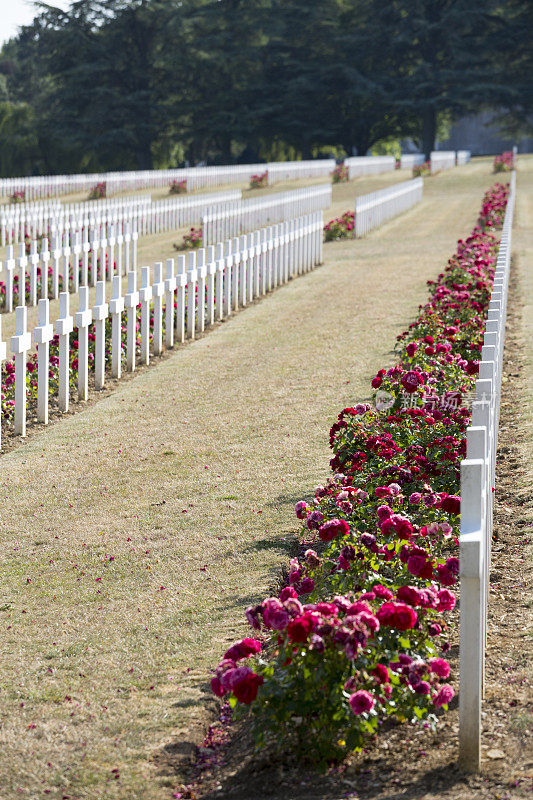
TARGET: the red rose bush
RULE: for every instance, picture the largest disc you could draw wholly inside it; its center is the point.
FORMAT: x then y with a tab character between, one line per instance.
359	633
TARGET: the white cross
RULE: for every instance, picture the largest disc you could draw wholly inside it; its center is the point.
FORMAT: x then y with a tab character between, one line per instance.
116	307
82	319
20	344
145	296
42	334
100	313
64	327
131	301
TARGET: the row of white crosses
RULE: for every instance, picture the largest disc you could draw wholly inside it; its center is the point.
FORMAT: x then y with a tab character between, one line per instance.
410	160
463	157
369	165
20	221
477	482
250	214
146	215
207	286
97	256
441	160
294	170
372	210
196	177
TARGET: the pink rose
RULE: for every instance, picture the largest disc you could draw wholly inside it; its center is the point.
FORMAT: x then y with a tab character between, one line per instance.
361	702
275	616
443	696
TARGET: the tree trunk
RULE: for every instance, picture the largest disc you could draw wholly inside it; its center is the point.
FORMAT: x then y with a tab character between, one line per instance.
429	130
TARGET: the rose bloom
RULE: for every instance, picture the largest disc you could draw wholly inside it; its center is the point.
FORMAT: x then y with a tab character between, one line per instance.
361	702
288	591
447	600
330	530
299	629
443	696
451	503
301	509
245	690
409	595
381	673
440	667
243	649
274	615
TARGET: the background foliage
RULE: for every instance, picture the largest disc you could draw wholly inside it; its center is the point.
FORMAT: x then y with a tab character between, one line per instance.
116	84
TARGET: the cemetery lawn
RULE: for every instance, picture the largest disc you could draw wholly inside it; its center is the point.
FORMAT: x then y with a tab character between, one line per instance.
135	532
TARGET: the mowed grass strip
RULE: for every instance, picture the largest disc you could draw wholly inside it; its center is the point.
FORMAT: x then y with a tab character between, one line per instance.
135	533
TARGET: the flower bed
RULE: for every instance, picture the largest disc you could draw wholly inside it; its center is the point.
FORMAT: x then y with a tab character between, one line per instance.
178	187
259	181
341	228
193	239
358	634
98	191
422	170
17	197
504	162
340	174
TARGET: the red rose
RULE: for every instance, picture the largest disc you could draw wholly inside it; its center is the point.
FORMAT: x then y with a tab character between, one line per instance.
404	617
243	649
409	595
246	690
472	368
385	614
330	530
381	672
410	382
451	503
299	629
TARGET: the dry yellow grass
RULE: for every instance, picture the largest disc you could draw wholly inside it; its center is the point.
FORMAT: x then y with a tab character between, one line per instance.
135	533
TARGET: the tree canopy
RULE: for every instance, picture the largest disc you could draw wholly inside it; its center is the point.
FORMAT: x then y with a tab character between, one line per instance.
127	84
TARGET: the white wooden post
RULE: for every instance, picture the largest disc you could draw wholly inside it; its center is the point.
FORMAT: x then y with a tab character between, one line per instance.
192	282
34	262
66	263
131	302
116	307
9	266
45	260
181	283
86	247
145	296
219	282
120	250
3	354
100	313
228	265
95	246
235	271
134	238
82	319
200	301
56	258
211	268
20	344
170	288
471	647
243	270
102	274
64	327
112	240
22	262
158	290
76	256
